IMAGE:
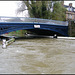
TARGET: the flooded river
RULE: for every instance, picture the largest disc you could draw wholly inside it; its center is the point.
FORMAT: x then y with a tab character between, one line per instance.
38	56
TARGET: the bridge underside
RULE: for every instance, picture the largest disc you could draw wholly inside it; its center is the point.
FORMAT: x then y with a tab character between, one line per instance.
44	32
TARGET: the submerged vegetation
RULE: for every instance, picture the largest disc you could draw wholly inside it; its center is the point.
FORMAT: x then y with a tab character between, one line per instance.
18	33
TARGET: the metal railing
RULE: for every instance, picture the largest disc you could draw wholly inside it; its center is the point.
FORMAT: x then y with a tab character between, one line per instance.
29	20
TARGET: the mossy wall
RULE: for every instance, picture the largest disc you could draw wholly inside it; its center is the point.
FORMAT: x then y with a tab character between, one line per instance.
71	29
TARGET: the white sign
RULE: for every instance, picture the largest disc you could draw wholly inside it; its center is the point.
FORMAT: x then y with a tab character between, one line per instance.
36	26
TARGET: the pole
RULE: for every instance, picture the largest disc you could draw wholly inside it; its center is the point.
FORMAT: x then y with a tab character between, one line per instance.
4	43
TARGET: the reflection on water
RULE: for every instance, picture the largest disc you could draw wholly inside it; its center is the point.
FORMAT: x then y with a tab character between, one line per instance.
38	56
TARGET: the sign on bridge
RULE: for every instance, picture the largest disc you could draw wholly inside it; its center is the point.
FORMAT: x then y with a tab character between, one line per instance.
36	26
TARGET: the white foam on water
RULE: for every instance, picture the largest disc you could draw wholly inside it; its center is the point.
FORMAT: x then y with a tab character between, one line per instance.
70	38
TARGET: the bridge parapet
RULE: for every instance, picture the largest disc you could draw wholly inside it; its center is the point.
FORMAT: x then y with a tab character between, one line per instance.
30	20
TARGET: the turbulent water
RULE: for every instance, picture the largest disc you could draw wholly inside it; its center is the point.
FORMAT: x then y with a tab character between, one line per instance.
38	56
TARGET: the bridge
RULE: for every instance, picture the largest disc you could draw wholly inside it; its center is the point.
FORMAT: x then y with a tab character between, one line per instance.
35	25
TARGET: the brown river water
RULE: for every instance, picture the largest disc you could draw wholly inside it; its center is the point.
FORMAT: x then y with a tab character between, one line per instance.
38	56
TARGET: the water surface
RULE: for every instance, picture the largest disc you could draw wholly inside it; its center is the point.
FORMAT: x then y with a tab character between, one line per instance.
38	56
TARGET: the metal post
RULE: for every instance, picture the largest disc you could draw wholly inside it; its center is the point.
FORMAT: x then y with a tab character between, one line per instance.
4	43
55	36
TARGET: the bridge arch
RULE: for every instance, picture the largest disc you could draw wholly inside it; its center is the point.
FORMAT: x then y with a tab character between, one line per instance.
48	26
49	30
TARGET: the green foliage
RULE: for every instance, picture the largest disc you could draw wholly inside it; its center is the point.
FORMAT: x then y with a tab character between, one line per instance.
38	9
18	33
59	12
41	9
